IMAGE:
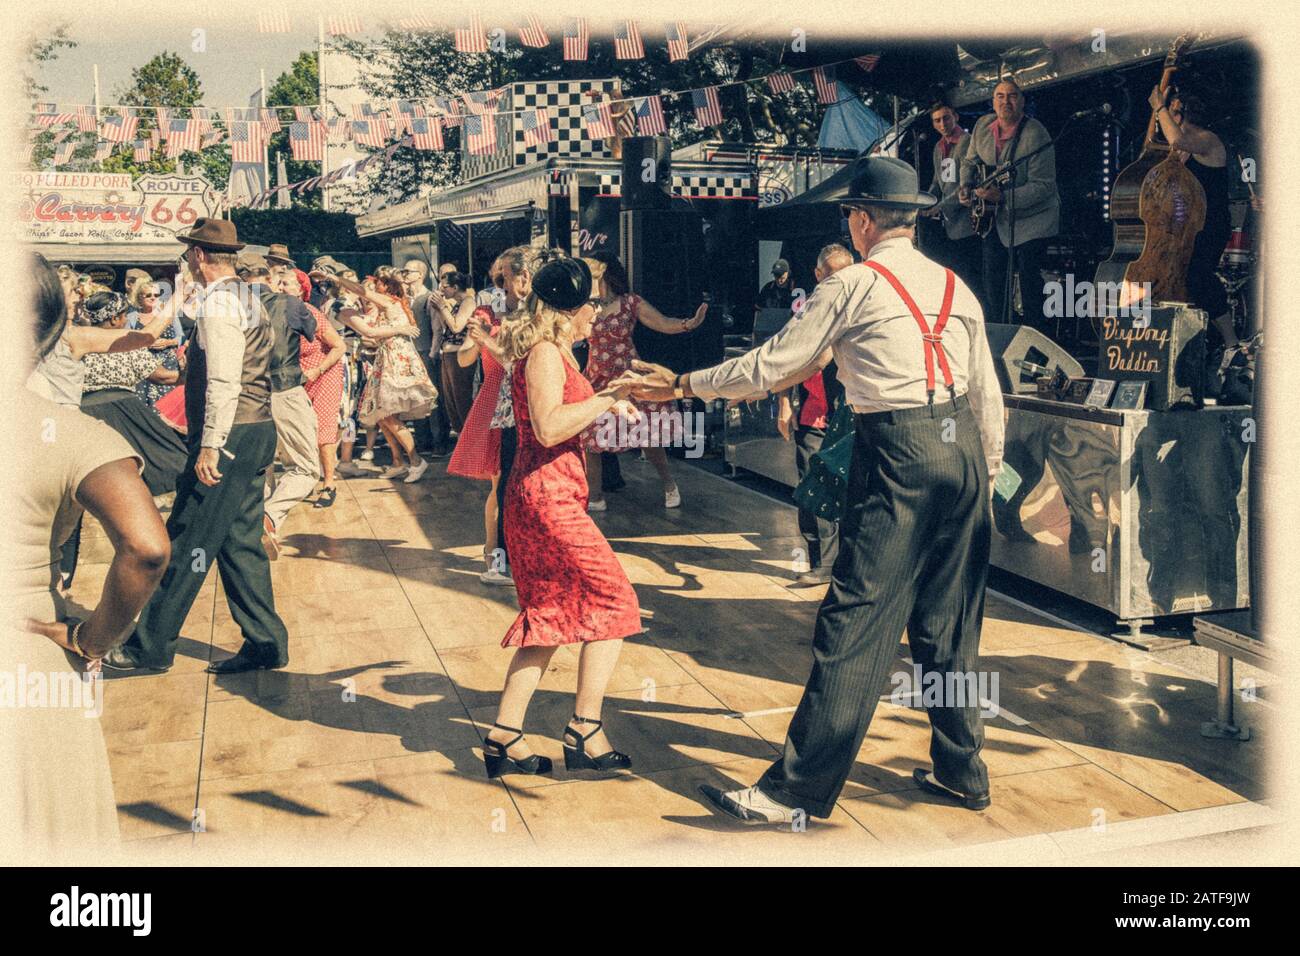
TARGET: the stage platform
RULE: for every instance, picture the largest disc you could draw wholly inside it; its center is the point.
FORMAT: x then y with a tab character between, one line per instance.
367	746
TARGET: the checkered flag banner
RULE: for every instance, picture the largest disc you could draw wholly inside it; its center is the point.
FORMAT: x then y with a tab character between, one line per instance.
678	44
599	120
246	142
481	132
344	24
650	116
827	89
307	141
426	132
575	39
472	38
118	129
533	34
781	82
708	111
536	126
627	41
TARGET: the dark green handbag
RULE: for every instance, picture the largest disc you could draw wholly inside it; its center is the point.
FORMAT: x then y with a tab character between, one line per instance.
824	489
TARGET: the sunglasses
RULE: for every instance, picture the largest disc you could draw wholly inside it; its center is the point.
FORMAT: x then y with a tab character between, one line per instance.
846	210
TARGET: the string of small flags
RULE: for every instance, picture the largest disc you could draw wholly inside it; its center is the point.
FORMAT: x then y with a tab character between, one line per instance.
248	129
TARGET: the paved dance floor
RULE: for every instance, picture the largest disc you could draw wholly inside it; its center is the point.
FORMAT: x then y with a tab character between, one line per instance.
367	746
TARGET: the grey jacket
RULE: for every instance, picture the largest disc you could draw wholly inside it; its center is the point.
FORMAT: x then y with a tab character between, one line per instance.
956	217
1038	205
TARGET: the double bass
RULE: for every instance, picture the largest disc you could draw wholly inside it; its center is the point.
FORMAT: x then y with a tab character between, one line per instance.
1157	207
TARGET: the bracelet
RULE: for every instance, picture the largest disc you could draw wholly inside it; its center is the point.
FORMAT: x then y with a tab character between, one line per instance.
73	639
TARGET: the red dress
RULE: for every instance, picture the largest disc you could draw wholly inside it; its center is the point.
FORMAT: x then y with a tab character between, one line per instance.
326	393
610	353
571	588
478	449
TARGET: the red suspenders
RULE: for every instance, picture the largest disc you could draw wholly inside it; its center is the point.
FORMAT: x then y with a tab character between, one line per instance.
932	340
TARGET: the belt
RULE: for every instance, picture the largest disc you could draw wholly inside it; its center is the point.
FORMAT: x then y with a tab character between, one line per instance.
938	409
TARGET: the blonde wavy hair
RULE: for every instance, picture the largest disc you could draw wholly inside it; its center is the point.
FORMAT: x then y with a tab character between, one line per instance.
534	322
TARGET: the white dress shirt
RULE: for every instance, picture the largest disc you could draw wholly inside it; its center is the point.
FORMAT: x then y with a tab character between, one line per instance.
223	315
877	344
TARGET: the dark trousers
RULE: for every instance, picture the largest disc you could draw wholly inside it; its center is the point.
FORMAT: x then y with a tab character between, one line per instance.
222	524
1029	266
821	535
509	440
457	390
432	433
914	552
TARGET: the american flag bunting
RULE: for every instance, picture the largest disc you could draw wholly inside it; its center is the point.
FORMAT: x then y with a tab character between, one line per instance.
533	34
678	44
868	62
708	111
824	80
63	154
650	116
536	126
86	119
143	151
471	39
182	137
307	141
575	39
627	41
303	114
426	132
344	24
481	132
246	142
271	121
367	133
599	120
119	129
781	82
273	23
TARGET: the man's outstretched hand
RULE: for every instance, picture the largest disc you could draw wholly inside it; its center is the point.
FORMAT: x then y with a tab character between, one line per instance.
649	382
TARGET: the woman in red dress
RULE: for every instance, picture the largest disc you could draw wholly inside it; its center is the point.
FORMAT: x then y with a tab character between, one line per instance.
571	587
610	353
322	368
478	448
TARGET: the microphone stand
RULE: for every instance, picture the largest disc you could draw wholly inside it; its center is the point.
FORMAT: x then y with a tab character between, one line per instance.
1006	174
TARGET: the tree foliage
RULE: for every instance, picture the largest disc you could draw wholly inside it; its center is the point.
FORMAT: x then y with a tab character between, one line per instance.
297	86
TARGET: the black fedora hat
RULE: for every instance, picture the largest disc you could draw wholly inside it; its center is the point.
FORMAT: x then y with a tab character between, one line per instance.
882	181
216	234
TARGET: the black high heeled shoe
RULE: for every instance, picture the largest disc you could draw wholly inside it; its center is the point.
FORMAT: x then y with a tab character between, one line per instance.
499	762
576	756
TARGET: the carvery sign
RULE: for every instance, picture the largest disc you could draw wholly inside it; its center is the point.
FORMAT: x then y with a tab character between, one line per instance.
108	207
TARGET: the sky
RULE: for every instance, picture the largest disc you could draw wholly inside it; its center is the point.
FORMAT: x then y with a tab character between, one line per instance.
228	67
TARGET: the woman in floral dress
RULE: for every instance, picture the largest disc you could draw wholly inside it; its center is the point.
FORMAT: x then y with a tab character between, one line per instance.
611	352
398	386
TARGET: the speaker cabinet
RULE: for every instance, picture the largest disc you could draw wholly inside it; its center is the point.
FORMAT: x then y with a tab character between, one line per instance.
647	172
663	252
1167	351
1022	354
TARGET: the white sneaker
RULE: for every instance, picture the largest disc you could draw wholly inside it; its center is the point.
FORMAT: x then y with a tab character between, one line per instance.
600	505
417	472
349	469
368	455
673	498
498	578
393	471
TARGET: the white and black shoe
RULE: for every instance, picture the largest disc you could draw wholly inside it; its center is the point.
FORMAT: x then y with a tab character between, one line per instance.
750	806
927	781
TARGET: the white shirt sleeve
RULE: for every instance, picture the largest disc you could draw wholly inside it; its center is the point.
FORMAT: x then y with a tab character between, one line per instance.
223	344
985	395
791	350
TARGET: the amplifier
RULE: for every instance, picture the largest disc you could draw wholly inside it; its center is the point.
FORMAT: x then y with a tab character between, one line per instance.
1165	349
1022	355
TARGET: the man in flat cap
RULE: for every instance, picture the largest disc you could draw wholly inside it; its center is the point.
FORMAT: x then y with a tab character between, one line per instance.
217	515
914	539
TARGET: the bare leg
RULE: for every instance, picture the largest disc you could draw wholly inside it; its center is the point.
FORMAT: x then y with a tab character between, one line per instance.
596	662
659	458
402	435
594	492
525	673
490	543
327	465
395	444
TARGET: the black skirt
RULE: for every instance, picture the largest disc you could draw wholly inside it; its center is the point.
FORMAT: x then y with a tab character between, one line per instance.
157	443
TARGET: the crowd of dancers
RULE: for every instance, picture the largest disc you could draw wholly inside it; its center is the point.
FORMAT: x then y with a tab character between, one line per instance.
250	354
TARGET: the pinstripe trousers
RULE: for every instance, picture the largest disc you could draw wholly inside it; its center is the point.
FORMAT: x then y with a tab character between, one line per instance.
914	553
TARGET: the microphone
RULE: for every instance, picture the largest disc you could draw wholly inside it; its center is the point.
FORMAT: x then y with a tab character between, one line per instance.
1103	110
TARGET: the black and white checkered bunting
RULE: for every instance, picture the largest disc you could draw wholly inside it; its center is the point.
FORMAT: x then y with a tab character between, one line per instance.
694	185
563	101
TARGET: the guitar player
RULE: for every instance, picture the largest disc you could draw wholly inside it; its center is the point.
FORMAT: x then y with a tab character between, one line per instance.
955	245
1028	212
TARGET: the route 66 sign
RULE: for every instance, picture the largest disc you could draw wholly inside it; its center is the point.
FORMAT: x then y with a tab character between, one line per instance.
174	203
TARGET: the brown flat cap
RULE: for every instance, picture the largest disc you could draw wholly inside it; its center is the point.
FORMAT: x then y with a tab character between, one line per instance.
279	253
216	234
249	261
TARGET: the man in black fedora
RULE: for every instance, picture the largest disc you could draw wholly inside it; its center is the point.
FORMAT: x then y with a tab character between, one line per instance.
909	341
217	515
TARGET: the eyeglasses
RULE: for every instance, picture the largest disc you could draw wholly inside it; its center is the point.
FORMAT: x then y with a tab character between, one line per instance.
846	210
149	295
